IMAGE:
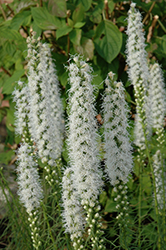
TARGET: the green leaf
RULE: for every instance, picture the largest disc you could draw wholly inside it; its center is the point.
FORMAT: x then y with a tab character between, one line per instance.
36	28
19	19
108	40
146	183
9	47
86	4
75	36
79	25
9	84
44	19
10	34
111	5
110	206
95	17
10	119
63	31
70	22
86	48
6	157
78	14
57	8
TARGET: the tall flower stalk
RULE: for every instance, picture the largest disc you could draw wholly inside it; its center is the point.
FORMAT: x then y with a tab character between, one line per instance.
117	147
82	143
139	75
46	111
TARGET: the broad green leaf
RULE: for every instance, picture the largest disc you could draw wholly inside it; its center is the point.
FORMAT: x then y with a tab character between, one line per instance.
75	36
110	206
10	34
86	4
22	18
44	19
110	5
78	14
6	157
36	28
95	17
63	31
86	48
8	86
57	7
108	40
79	24
9	47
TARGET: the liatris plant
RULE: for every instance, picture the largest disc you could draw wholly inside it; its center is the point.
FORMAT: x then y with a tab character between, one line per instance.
46	111
83	149
158	101
117	147
138	73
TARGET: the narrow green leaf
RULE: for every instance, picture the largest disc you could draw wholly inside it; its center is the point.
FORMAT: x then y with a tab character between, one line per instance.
108	40
110	206
75	36
8	87
44	19
63	31
70	22
57	8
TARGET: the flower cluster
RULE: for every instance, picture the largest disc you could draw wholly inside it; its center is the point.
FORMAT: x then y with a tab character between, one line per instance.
30	190
46	112
82	143
118	157
138	73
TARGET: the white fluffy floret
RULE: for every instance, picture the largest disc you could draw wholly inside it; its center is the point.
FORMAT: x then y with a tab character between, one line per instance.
82	140
118	156
30	190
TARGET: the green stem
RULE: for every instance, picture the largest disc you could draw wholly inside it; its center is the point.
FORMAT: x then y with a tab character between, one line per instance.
49	228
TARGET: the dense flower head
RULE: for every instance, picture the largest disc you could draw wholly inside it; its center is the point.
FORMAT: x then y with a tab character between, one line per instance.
30	190
20	96
46	111
82	128
72	213
159	171
118	157
157	96
138	73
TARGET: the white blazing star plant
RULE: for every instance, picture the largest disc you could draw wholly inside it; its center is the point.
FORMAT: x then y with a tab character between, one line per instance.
158	101
117	147
82	143
46	111
138	73
118	156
